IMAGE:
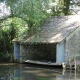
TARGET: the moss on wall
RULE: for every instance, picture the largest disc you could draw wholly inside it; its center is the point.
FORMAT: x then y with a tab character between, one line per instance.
73	45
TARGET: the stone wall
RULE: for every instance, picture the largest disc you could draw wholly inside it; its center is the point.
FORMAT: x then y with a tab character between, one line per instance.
73	45
40	52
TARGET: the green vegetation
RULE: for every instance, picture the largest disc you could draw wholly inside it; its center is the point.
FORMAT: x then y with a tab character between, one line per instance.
7	33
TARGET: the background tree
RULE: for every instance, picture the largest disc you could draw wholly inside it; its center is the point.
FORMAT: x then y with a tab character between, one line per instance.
32	11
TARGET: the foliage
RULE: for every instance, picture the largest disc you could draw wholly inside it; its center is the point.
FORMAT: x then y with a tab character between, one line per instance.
5	43
32	11
11	28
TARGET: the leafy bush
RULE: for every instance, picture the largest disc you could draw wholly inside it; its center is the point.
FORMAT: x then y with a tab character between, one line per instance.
7	33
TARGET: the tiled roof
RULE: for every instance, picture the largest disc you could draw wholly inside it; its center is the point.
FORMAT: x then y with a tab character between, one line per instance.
55	29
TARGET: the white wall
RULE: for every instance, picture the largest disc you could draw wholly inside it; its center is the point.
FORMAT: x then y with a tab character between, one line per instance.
60	52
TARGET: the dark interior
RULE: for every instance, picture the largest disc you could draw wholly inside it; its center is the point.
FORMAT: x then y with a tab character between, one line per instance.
41	52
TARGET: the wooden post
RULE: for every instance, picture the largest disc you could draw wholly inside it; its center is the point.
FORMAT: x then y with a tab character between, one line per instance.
75	65
70	64
63	66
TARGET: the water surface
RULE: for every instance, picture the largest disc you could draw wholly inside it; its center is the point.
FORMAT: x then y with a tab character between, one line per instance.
25	72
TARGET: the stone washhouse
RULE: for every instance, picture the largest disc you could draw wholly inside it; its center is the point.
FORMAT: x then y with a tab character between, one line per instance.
56	42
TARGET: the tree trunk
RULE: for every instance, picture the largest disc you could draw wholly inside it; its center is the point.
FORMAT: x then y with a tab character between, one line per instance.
66	7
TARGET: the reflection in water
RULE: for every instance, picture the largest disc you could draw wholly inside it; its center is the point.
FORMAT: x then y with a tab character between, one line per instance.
24	72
